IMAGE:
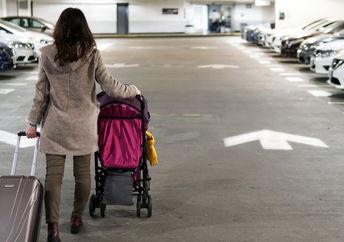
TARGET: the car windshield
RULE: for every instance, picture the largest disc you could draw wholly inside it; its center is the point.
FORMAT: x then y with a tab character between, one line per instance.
12	26
314	24
324	26
47	23
334	26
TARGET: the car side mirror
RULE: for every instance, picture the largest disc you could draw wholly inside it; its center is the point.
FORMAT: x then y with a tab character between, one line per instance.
44	28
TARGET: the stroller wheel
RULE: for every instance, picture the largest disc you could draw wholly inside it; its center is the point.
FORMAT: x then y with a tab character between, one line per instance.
138	206
92	205
149	206
102	210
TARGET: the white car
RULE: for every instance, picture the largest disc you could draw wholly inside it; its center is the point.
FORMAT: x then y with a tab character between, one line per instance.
279	35
324	54
264	31
23	52
336	71
37	39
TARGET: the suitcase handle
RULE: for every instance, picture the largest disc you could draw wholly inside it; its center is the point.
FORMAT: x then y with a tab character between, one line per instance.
34	160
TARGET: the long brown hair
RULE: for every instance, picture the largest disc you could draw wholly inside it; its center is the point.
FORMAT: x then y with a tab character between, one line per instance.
73	37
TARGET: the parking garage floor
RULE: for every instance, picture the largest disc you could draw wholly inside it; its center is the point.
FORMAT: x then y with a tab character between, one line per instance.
249	144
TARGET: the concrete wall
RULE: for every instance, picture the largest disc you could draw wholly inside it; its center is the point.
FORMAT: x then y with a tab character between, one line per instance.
144	16
255	15
11	8
301	12
101	16
147	17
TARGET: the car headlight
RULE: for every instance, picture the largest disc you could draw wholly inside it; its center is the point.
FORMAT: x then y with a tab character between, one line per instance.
45	41
17	45
327	53
30	46
336	63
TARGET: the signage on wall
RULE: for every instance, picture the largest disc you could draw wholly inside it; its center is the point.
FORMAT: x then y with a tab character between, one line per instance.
170	11
281	15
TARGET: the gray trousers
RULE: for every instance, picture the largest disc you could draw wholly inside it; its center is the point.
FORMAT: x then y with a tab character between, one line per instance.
54	176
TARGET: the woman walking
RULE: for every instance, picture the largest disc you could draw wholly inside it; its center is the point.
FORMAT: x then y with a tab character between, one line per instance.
66	107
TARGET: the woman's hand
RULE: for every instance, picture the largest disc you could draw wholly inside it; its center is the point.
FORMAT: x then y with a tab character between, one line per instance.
31	131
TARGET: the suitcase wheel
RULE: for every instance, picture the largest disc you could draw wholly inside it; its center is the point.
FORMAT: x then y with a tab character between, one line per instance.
149	206
138	206
92	205
102	210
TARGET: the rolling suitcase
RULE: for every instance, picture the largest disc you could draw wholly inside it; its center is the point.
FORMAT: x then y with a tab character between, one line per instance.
20	202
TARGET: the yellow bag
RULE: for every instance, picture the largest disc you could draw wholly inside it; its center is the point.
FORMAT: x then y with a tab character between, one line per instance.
151	153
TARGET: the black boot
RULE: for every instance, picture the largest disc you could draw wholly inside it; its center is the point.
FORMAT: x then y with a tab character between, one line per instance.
53	233
75	225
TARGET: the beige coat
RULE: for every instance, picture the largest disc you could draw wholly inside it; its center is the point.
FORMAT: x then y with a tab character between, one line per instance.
65	102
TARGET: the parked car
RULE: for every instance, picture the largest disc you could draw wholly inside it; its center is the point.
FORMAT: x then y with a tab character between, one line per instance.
311	28
265	33
6	55
307	47
324	54
38	40
32	23
249	35
336	71
24	53
291	44
275	38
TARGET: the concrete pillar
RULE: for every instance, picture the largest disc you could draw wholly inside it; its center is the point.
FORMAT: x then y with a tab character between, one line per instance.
3	8
301	12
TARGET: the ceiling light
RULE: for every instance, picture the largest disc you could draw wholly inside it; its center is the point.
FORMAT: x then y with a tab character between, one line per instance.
262	3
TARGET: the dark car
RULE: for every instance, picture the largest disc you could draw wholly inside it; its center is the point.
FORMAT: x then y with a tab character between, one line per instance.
308	46
291	44
32	24
6	54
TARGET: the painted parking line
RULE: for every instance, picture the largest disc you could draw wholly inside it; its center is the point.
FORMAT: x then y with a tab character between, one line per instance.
6	91
204	48
277	69
191	115
13	84
319	93
336	103
102	47
307	85
255	56
294	79
31	78
121	65
265	62
217	66
291	74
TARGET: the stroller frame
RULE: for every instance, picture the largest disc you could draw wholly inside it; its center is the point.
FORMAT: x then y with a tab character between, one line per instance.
141	185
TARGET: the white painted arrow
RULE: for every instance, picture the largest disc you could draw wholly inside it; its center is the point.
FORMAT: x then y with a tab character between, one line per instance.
121	65
218	66
272	140
11	139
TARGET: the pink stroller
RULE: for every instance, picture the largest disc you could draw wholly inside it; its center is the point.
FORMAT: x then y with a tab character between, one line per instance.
123	171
